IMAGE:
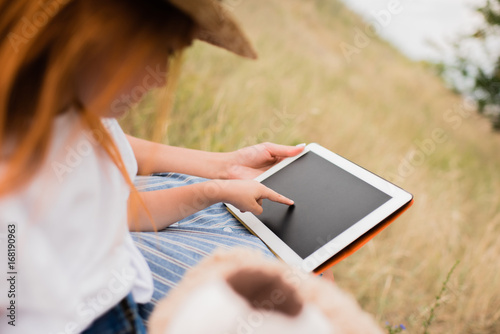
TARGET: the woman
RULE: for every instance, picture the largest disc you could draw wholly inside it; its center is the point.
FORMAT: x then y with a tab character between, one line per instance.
66	167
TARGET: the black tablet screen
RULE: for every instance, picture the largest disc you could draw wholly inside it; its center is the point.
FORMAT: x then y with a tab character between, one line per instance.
328	200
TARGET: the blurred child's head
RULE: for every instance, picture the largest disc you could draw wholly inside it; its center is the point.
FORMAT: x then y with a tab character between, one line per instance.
128	49
84	54
84	50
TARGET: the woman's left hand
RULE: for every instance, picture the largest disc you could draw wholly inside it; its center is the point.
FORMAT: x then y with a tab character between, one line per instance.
251	161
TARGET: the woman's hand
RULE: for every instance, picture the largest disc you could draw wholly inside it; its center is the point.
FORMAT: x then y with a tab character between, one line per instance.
249	162
247	195
167	206
246	163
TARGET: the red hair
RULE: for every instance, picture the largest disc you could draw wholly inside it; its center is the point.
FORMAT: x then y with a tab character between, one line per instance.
44	44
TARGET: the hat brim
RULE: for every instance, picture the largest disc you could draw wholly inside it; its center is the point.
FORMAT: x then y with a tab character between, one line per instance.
217	26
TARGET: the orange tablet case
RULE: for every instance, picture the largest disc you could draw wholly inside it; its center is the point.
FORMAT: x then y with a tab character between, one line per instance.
361	241
355	245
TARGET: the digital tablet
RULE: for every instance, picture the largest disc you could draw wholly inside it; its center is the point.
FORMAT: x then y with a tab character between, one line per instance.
337	203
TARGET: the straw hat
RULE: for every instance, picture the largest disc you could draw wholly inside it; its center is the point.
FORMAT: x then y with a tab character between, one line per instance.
216	25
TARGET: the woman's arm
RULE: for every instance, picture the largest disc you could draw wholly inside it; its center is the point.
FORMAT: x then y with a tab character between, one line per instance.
168	206
245	163
156	158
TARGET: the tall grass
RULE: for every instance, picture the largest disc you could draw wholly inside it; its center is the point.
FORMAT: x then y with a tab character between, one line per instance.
376	110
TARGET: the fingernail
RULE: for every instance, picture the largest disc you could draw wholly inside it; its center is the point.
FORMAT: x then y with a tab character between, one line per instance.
301	145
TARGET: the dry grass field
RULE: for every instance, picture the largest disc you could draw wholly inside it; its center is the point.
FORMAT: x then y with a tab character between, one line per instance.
380	110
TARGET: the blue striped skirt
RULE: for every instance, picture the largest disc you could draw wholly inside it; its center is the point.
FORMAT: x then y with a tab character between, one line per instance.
172	251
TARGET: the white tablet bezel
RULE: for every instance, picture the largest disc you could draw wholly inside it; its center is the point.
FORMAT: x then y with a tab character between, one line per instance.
283	251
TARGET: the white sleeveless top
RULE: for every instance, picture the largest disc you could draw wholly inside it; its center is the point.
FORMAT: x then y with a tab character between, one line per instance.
75	258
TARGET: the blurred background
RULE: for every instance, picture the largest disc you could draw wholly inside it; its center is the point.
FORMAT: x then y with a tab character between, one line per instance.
407	89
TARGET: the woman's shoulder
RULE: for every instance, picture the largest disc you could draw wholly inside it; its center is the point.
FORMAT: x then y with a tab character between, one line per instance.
74	162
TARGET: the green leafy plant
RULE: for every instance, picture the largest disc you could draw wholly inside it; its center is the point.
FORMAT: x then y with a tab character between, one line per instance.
437	302
432	314
483	81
